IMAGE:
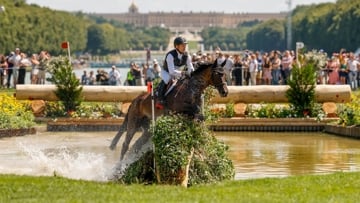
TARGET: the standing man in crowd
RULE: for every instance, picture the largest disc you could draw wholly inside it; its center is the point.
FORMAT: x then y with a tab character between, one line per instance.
114	76
177	63
286	62
15	60
352	66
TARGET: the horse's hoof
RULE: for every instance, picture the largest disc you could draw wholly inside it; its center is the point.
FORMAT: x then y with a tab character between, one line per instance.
112	147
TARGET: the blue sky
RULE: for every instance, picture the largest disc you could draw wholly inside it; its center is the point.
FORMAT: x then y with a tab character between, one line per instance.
121	6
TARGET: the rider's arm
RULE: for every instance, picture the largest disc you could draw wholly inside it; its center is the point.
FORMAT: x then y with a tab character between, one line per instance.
170	63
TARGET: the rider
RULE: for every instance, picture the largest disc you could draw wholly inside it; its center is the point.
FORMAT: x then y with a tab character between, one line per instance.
177	63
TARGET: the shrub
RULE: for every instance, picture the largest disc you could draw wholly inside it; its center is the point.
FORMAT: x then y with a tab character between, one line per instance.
301	94
175	136
349	113
68	86
85	110
14	115
173	145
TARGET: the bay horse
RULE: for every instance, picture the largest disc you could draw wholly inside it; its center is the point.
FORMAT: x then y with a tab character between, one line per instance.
185	98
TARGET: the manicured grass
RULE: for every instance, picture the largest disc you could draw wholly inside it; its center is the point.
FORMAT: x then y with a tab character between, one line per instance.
337	187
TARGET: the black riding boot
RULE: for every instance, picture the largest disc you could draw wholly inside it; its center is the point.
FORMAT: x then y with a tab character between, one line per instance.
161	95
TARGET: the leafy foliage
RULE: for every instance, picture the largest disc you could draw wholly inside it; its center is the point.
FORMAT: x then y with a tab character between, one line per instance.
301	94
84	110
282	111
328	26
267	36
349	113
39	28
174	137
210	115
14	114
68	86
225	39
173	145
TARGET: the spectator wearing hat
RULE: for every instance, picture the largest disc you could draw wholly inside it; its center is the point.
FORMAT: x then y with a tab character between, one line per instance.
114	76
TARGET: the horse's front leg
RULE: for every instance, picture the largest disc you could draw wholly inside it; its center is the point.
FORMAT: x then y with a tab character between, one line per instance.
116	139
194	109
129	135
119	133
144	138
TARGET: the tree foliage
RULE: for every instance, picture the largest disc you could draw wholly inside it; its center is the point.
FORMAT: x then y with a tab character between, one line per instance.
302	83
68	85
33	28
328	26
225	39
267	36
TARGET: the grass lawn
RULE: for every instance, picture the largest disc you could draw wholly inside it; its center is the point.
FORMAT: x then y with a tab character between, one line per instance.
337	187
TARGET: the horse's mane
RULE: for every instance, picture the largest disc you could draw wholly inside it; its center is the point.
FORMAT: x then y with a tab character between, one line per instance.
203	65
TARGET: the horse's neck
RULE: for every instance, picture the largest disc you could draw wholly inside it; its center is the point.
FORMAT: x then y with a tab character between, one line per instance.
198	83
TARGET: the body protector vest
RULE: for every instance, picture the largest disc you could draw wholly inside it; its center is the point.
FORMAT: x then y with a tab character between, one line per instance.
177	62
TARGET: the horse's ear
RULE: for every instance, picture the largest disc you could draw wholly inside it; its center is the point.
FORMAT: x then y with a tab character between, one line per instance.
214	65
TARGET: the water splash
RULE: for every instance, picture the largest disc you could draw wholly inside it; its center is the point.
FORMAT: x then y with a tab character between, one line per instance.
65	162
131	156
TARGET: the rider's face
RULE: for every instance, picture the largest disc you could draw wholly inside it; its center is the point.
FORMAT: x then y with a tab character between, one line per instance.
181	48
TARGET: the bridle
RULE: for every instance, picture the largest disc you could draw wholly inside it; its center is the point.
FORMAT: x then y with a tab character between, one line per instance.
215	71
220	83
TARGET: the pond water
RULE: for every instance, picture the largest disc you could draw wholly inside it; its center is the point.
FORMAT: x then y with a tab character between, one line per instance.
85	155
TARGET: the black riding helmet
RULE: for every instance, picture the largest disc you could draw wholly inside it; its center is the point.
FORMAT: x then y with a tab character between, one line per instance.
179	40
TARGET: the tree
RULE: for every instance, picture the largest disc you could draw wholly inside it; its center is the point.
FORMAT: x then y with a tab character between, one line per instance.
68	85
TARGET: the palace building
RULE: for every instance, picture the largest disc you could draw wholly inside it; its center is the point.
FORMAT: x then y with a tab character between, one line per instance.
194	21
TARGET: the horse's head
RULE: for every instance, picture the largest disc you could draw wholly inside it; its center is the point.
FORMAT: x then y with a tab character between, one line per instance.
218	79
213	75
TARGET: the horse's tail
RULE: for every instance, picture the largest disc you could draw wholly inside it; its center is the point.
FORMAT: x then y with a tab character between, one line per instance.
122	129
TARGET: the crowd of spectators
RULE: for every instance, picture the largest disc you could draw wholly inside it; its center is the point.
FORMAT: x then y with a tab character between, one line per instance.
13	68
274	68
244	68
